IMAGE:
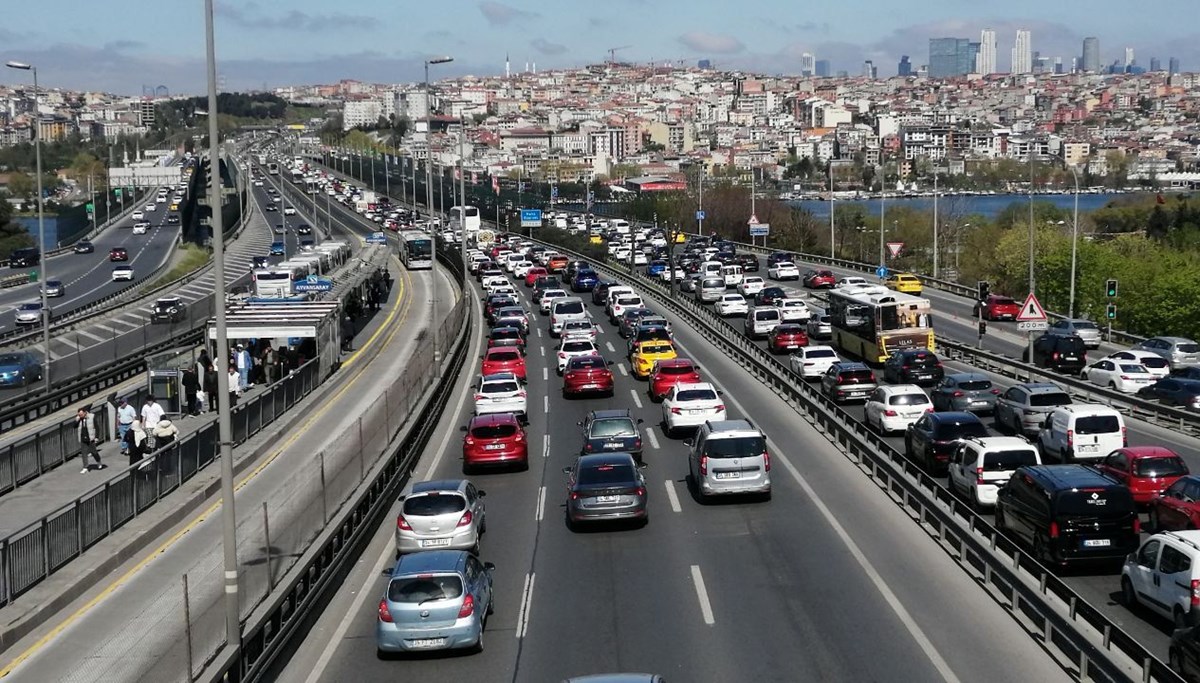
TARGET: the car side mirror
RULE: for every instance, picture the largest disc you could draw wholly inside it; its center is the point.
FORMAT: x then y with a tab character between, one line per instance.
387	571
568	470
481	493
720	392
579	423
643	465
488	566
640	420
688	443
608	362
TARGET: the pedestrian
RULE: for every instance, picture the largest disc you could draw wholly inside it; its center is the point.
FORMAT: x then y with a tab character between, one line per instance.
165	432
210	387
244	364
151	411
270	364
85	429
191	385
235	388
203	363
135	442
126	414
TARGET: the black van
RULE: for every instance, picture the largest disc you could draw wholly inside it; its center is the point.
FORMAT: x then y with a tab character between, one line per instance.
1068	514
24	257
1065	354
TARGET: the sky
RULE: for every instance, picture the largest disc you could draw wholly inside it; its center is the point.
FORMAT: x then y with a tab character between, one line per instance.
121	46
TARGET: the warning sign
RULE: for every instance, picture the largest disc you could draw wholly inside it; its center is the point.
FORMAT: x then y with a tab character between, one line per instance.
894	248
1031	309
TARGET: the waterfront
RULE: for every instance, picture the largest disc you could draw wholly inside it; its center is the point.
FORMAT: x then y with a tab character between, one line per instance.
31	226
988	206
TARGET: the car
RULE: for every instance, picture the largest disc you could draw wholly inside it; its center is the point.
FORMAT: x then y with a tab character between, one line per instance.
1074	327
173	219
848	381
1174	391
751	285
819	326
571	348
605	487
118	254
1156	365
435	600
1184	653
1163	576
500	392
441	514
688	405
141	227
511	316
303	229
769	296
1146	470
495	440
600	292
150	207
289	211
819	279
506	337
656	268
629	320
1022	408
997	307
611	294
786	337
646	354
1127	377
29	313
1061	353
19	368
793	310
161	199
851	281
503	359
622	302
307	245
637	258
903	282
611	431
965	392
893	408
931	440
579	329
729	457
84	247
122	273
270	207
915	366
586	375
1178	507
810	362
533	274
584	280
730	305
784	270
646	333
780	257
1082	432
54	289
1179	351
278	248
748	262
168	309
138	215
280	229
980	465
495	303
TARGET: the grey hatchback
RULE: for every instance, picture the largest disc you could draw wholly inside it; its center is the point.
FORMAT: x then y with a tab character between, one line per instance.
606	487
445	513
969	392
435	600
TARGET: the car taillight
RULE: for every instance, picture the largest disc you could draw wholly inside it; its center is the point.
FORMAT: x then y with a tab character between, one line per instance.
720	407
468	607
996	392
890	413
1124	436
469	441
958	394
703	465
1070	438
906	366
1054	356
386	616
465	520
1053	529
979	475
587	446
521	393
639	491
478	396
676	411
1126	377
520	436
402	524
637	443
1195	592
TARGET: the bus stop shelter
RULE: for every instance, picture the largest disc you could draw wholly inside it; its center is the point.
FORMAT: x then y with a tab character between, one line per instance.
311	328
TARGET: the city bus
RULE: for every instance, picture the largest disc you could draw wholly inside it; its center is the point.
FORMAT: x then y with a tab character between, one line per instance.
872	322
416	251
276	282
472	223
273	168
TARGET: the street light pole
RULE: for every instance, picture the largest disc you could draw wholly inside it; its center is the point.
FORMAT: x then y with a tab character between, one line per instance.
1031	279
832	238
462	188
1074	244
700	221
935	223
882	216
433	323
41	209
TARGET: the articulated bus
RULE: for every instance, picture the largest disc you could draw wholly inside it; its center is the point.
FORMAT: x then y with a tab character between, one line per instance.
472	223
873	322
416	251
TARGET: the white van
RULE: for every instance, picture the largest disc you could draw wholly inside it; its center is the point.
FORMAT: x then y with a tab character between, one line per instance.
711	268
729	457
564	309
710	289
620	225
732	274
982	464
1082	432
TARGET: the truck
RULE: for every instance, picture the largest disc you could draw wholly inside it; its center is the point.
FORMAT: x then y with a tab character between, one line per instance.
365	201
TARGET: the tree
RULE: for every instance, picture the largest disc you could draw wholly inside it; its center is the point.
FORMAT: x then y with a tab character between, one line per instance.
1159	223
12	234
626	171
21	185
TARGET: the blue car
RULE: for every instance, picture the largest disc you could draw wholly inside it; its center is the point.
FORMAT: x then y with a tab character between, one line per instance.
277	248
584	281
19	368
656	268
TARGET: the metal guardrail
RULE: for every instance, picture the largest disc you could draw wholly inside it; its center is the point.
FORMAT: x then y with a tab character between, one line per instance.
1022	585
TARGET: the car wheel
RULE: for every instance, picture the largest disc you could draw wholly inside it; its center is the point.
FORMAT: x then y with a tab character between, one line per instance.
478	647
1128	595
1180	618
1155	522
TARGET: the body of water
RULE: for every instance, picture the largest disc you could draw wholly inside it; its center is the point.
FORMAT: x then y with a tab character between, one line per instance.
988	206
31	226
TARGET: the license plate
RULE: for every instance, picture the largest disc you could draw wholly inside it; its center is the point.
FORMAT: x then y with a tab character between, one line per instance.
612	446
607	499
494	447
790	346
1089	449
435	542
729	475
857	394
428	642
1097	543
696	412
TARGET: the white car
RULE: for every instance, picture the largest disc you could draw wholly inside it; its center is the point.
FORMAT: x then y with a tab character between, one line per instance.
258	183
493	282
810	362
623	303
122	273
29	313
151	207
548	296
979	466
506	290
893	408
141	227
794	310
1155	364
1123	376
500	393
138	215
572	347
784	270
161	199
691	404
851	281
639	258
751	285
521	268
730	305
289	211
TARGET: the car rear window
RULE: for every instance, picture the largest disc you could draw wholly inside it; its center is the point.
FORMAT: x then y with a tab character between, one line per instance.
1004	301
856	376
605	474
1097	424
504	355
1050	398
1167	466
976	385
628	301
419	589
1004	461
948	431
569	308
696	395
767	314
505	333
586	363
908	400
1155	362
426	505
821	353
494	431
1098	502
924	360
577	346
613	427
1187	348
735	447
676	369
656	348
1084	325
712	283
499	387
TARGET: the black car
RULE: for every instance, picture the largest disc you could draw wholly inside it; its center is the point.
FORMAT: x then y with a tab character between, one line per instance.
748	262
169	309
629	320
646	333
173	219
1067	355
303	229
1186	372
271	207
260	261
930	440
848	381
780	257
612	431
1174	391
913	366
494	303
24	257
769	296
84	247
1184	654
600	292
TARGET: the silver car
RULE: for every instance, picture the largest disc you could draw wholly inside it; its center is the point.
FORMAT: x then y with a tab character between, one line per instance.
1084	329
1022	408
1179	351
968	392
606	487
442	514
819	326
436	600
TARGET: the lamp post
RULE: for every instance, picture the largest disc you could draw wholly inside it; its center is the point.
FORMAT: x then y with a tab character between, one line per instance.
462	188
433	323
1031	236
37	146
935	223
832	239
1074	244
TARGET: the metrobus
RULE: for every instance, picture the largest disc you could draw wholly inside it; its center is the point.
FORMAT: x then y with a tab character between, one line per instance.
472	223
416	251
872	322
275	282
273	168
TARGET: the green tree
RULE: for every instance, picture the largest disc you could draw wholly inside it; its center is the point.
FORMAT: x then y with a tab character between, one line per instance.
21	186
12	234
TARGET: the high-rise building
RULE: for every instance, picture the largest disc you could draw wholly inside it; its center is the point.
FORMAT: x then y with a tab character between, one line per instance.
950	57
808	64
1058	65
704	64
870	70
1173	66
985	63
1155	64
904	68
1022	53
824	68
1128	57
1091	55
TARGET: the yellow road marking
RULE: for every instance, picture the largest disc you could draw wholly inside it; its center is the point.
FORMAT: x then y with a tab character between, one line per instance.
403	310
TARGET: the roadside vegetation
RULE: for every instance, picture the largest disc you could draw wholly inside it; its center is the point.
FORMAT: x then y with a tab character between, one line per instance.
187	258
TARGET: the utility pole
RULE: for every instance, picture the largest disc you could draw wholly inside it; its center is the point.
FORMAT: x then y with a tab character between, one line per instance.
882	215
462	187
1031	279
935	223
752	211
700	220
832	238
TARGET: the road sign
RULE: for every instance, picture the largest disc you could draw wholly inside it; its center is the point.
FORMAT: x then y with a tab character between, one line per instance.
484	237
117	192
1032	325
700	215
753	220
881	271
531	218
760	229
1031	309
377	238
91	208
313	283
894	248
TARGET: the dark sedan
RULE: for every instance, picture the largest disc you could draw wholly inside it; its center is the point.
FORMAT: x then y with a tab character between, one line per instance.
611	431
1174	391
930	440
600	292
606	487
84	247
914	366
769	296
748	262
780	257
584	280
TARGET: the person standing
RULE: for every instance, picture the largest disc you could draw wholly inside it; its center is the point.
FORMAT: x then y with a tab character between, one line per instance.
165	432
126	414
151	411
244	365
135	442
203	363
235	388
210	388
191	384
85	429
270	364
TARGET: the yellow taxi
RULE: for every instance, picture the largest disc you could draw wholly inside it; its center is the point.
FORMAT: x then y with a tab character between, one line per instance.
649	352
596	239
904	282
680	237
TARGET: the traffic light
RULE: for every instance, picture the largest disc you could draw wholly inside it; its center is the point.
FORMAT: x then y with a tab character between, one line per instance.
984	288
1112	311
1110	288
982	328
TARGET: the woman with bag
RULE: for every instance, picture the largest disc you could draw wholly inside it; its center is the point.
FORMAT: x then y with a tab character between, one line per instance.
135	442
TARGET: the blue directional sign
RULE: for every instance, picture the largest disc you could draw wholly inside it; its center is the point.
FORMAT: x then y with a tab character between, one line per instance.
881	271
531	218
554	191
700	215
377	238
313	283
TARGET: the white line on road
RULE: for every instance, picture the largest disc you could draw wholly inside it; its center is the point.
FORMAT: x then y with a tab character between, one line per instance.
621	367
652	438
546	403
702	594
636	398
546	446
541	504
545	374
611	348
673	497
543	350
539	331
523	613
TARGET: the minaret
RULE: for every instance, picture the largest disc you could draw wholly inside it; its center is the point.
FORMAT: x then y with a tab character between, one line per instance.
526	67
507	69
535	68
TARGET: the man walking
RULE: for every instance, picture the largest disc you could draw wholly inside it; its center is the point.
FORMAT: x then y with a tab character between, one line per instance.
85	428
126	414
151	412
191	384
242	357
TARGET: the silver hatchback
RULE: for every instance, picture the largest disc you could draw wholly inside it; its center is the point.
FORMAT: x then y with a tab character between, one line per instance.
1084	329
606	487
971	392
441	514
1179	351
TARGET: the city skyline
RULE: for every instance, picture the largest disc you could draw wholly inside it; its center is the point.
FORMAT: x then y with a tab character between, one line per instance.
270	44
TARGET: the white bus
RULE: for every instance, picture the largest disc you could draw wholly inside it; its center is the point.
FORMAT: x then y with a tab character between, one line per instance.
417	251
471	225
274	283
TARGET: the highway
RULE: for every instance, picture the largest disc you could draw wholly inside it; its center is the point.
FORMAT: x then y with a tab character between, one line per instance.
797	588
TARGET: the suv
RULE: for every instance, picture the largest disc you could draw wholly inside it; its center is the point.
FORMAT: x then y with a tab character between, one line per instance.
500	392
979	466
24	257
894	408
845	381
729	457
434	601
1164	576
914	366
1067	355
563	309
1022	408
1068	513
1177	350
1082	432
612	431
445	514
933	437
170	309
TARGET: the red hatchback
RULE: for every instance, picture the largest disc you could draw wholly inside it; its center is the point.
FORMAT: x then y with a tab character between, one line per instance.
495	440
118	254
1146	470
668	373
585	375
533	274
786	337
818	279
503	359
998	307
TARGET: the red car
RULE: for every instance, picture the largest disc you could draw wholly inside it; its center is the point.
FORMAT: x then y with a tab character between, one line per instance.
998	307
497	250
668	373
587	374
495	440
818	279
1146	470
533	274
1178	507
786	337
118	254
503	359
557	264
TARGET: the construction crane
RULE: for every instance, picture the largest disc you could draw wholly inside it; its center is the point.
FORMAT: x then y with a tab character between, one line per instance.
612	53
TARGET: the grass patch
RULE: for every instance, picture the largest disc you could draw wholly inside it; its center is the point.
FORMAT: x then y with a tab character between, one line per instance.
187	258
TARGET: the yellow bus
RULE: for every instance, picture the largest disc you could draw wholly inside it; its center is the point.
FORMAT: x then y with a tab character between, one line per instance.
872	322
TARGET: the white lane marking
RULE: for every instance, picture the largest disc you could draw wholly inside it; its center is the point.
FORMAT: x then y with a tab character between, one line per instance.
546	446
541	505
636	398
650	436
543	350
539	331
673	497
610	347
546	403
621	367
545	374
526	599
702	594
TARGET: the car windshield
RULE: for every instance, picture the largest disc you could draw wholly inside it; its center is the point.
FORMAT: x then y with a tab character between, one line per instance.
605	474
1006	461
500	387
504	355
621	426
569	308
425	588
696	395
425	505
975	385
497	431
577	346
735	447
1050	398
1097	424
1165	466
656	348
948	431
1096	503
908	400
